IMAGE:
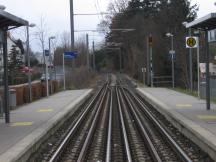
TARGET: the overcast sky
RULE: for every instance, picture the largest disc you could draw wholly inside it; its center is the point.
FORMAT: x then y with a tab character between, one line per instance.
56	12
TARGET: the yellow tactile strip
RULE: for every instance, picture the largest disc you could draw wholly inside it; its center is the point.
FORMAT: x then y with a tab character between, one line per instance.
207	117
45	110
20	124
184	105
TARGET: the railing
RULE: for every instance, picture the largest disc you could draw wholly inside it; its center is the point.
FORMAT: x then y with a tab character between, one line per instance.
162	80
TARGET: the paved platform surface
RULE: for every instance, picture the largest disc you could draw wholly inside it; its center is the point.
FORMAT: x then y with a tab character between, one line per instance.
32	121
188	114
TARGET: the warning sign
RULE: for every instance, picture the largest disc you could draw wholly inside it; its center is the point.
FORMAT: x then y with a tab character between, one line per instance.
191	42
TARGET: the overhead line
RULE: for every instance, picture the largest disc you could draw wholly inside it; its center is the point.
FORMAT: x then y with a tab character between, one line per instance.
96	14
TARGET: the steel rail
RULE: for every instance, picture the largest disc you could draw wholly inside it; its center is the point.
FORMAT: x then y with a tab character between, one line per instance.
91	131
182	155
64	143
127	148
108	149
144	134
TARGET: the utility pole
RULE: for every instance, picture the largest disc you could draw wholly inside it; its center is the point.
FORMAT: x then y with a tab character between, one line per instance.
72	28
87	52
93	54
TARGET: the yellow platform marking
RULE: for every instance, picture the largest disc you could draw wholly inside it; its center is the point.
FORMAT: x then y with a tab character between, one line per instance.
184	105
45	110
20	124
207	117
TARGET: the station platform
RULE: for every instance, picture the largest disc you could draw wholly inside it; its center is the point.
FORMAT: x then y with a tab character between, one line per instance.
31	123
188	114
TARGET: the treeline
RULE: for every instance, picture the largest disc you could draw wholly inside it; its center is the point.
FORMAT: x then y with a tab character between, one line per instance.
156	18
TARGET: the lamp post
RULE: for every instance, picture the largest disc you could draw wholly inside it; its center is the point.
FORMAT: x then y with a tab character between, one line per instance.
50	62
172	53
29	64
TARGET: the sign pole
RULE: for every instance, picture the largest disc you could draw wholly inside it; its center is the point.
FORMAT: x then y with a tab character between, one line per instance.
207	73
63	64
190	65
198	70
47	82
173	66
151	60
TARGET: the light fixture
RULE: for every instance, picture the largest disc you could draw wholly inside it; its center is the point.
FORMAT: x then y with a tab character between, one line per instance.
2	7
52	37
184	23
169	35
32	25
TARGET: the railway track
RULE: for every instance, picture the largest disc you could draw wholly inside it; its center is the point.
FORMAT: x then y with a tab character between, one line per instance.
118	125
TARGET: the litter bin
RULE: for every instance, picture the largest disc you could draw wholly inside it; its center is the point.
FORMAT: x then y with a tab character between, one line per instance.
12	98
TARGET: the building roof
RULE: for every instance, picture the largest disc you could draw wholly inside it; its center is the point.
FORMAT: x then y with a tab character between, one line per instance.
11	21
207	22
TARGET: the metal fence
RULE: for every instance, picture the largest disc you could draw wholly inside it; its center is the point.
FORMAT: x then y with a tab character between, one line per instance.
212	88
160	81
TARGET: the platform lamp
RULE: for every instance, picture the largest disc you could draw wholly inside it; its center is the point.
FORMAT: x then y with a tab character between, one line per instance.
2	7
50	61
29	64
172	53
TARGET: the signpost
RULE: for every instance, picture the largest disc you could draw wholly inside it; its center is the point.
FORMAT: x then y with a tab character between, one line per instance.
68	55
193	42
46	73
150	43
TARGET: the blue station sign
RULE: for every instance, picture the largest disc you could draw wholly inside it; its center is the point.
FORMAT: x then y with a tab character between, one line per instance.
46	52
70	55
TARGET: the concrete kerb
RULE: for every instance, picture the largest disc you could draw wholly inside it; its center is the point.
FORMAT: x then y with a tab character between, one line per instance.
33	141
199	135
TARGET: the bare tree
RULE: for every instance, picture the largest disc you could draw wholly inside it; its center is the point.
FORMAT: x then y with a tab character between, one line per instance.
65	40
41	35
114	8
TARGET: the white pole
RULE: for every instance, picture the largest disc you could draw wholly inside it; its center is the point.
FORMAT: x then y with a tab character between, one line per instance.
47	82
173	65
198	72
50	70
63	62
191	65
151	67
29	66
87	53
